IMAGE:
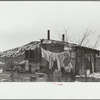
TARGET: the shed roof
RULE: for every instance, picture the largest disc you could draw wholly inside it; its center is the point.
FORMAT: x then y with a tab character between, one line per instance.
46	41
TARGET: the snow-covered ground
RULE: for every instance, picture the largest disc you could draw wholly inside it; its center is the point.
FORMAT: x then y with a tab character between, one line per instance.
94	75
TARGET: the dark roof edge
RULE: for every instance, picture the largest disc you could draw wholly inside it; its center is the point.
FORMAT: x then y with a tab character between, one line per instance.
76	45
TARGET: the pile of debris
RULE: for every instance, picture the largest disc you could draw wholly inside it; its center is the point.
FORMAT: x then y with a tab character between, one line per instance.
5	77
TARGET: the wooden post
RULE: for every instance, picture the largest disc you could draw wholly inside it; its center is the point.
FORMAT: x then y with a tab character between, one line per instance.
76	63
85	68
86	76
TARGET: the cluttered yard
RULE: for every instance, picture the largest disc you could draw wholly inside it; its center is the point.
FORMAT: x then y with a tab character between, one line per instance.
50	61
42	77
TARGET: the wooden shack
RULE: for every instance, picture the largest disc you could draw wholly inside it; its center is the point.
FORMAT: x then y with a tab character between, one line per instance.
80	55
85	59
82	58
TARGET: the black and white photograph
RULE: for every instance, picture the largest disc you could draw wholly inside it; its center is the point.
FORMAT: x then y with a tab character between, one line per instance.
49	49
49	41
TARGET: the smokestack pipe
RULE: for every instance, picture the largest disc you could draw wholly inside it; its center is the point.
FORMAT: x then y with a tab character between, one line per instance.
63	37
48	36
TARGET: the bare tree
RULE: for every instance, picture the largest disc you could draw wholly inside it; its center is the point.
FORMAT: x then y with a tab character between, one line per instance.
60	35
83	41
66	33
73	40
96	43
86	43
86	34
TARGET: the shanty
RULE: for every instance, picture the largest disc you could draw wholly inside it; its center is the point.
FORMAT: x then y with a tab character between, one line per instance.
58	61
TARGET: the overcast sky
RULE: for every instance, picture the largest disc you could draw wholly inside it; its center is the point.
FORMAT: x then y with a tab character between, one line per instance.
24	21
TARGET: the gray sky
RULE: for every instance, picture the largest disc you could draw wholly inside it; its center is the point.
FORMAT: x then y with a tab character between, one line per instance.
26	21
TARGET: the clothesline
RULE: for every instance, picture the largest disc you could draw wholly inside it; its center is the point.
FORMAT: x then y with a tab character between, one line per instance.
63	59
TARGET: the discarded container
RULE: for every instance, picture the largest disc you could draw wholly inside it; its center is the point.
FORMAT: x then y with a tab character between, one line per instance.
27	65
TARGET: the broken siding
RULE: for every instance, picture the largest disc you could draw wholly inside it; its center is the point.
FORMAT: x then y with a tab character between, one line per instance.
82	54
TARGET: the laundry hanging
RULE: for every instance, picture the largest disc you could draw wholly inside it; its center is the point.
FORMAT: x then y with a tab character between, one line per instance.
68	67
59	57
